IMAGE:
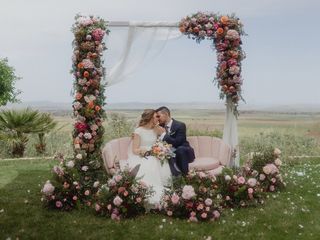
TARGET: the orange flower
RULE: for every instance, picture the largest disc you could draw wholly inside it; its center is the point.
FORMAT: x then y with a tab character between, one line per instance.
86	74
182	29
80	65
91	104
220	31
97	108
224	20
78	96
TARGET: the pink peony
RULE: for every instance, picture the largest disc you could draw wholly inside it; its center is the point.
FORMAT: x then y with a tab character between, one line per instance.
208	202
188	192
117	201
48	188
59	204
175	199
241	180
270	169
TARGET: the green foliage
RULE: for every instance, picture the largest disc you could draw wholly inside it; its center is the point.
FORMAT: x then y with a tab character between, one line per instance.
8	92
215	133
118	126
16	124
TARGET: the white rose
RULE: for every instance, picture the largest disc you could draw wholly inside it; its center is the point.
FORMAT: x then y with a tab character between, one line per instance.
70	164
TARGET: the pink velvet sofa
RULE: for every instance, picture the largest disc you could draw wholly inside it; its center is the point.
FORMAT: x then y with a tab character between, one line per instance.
212	154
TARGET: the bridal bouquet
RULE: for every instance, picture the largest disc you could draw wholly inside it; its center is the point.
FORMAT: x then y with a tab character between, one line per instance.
161	150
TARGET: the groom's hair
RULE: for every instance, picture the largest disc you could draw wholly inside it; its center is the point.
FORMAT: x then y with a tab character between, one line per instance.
164	109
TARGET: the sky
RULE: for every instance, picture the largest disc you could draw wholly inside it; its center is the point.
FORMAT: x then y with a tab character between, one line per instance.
282	48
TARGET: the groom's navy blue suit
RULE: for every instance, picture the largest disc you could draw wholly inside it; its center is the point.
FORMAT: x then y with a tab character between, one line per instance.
184	152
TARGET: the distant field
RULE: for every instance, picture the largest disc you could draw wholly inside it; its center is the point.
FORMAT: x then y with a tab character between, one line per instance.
203	122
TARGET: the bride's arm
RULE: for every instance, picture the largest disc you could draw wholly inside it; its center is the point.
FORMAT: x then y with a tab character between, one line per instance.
136	145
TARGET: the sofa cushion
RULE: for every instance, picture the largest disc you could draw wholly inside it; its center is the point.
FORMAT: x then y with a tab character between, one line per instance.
204	164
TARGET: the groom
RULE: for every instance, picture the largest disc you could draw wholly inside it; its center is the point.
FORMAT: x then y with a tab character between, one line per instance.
174	133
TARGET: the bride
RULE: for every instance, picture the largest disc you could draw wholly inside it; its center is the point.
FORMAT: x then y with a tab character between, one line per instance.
151	171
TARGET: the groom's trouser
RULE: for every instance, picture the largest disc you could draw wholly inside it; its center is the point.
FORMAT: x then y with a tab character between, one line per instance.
184	155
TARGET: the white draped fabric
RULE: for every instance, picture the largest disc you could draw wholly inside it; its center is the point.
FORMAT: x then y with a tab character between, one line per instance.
144	41
230	133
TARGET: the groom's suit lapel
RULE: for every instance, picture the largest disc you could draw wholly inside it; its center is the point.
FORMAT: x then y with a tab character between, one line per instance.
173	127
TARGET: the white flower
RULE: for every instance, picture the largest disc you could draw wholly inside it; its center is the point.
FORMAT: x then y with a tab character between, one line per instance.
87	136
84	168
188	192
278	162
234	70
77	105
89	98
79	156
48	188
70	164
277	151
227	178
96	184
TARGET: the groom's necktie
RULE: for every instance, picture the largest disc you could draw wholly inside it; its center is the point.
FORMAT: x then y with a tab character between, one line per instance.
167	129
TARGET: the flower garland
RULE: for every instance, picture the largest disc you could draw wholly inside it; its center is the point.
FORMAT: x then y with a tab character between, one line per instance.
225	31
89	96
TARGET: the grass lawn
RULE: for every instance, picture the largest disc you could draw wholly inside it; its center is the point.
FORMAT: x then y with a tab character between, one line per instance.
293	214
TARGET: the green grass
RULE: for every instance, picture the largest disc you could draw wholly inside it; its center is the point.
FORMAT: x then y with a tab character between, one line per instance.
292	214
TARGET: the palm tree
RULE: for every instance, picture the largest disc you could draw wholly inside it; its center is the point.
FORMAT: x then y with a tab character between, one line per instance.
16	124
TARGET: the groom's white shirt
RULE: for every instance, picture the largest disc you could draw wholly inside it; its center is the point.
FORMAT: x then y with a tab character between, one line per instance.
169	129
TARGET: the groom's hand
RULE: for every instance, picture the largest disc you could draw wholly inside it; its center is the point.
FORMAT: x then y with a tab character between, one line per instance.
159	130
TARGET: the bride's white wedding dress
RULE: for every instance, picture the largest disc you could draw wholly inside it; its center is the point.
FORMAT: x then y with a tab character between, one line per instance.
151	171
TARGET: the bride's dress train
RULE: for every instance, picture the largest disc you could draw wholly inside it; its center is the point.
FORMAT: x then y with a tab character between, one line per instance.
150	171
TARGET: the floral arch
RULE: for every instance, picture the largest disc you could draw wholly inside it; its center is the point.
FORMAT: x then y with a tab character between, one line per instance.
88	71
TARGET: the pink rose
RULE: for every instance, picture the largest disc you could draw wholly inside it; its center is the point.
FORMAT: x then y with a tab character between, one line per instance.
232	35
97	207
58	204
241	180
204	215
74	198
273	180
233	70
250	190
138	199
216	214
271	188
169	213
193	219
200	206
228	198
175	199
87	193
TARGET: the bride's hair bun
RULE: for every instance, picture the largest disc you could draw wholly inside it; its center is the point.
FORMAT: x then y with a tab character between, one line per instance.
146	117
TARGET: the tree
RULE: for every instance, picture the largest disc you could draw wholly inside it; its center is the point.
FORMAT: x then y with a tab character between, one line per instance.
8	92
16	124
